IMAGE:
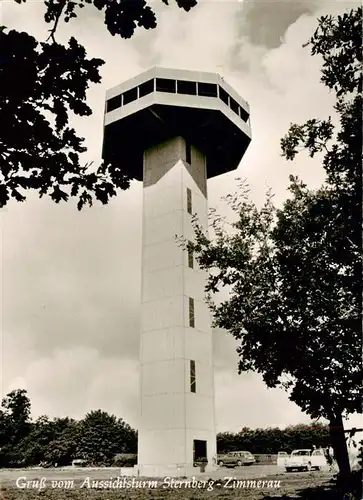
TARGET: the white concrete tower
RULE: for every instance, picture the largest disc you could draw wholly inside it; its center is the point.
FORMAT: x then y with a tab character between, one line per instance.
172	129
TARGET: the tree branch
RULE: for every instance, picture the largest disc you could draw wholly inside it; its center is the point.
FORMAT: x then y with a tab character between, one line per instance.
58	16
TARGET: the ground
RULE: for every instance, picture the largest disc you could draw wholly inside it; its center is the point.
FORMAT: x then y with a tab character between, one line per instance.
225	484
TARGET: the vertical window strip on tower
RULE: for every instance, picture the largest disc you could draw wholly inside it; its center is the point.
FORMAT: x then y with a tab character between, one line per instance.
191	313
189	201
190	256
193	382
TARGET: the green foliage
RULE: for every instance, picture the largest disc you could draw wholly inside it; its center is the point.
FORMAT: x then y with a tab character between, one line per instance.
101	436
42	85
38	150
273	439
121	18
15	416
16	406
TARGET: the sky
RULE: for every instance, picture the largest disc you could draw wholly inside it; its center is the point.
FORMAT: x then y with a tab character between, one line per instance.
71	280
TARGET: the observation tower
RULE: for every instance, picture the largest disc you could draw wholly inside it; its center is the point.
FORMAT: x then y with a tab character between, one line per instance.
172	130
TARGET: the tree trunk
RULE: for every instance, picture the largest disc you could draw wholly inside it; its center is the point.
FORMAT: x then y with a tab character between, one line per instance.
339	444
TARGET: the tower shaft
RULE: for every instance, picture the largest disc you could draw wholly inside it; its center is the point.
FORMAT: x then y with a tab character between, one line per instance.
177	415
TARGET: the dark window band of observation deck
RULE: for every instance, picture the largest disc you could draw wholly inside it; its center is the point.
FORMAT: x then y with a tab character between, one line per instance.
176	87
146	88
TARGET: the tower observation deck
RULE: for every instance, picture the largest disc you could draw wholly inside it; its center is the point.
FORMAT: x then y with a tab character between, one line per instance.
173	129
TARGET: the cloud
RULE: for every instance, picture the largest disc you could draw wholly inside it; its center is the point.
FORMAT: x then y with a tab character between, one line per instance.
200	39
245	402
72	382
71	281
264	22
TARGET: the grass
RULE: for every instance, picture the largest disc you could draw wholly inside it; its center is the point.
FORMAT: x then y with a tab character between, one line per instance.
293	486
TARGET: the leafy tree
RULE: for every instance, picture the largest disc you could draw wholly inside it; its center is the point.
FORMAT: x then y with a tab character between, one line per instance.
39	151
33	445
101	436
52	441
126	437
3	428
294	274
16	415
15	426
62	449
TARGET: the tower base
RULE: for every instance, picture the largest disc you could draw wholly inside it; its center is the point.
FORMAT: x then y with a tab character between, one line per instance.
162	471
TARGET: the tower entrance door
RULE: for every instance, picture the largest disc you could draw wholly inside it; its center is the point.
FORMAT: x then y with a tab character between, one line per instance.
199	450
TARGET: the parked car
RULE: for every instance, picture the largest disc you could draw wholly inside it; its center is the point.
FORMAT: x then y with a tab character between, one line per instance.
236	459
305	460
79	462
